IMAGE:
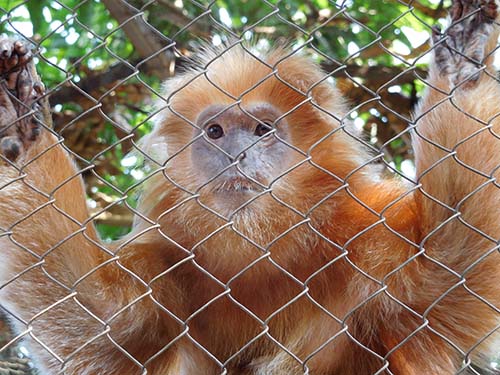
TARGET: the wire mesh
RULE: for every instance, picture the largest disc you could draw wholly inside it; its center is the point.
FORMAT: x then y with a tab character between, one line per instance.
343	250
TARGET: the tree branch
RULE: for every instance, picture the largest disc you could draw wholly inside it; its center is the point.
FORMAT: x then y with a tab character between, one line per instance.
146	39
92	83
375	76
436	13
174	15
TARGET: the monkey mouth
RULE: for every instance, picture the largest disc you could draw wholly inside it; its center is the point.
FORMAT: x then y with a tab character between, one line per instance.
237	184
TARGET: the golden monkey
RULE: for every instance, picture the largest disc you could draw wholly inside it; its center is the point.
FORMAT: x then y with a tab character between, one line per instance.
266	241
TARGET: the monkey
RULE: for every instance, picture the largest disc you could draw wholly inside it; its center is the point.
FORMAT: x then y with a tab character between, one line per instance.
266	240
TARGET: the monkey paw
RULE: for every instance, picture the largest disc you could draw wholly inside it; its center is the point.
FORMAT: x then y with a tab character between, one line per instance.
460	52
19	91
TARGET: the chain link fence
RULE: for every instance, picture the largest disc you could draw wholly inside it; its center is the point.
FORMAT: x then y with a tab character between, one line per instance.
103	64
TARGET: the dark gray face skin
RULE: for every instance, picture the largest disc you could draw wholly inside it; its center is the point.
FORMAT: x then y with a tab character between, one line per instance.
254	145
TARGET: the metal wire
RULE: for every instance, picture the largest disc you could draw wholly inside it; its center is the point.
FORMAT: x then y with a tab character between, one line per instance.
97	104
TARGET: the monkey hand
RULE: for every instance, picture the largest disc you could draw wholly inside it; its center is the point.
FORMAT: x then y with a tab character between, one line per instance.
461	51
20	92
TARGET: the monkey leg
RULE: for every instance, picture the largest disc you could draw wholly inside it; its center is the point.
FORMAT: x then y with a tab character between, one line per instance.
457	155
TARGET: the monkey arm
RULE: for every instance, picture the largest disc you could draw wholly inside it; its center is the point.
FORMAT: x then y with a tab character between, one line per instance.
42	198
456	139
59	284
457	152
457	147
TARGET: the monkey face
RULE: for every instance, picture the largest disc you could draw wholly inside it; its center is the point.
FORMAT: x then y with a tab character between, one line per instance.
240	151
232	133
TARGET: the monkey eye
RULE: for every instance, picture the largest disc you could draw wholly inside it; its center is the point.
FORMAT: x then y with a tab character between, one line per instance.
262	129
215	131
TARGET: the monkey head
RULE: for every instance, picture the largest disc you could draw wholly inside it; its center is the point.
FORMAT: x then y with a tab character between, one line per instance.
237	126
